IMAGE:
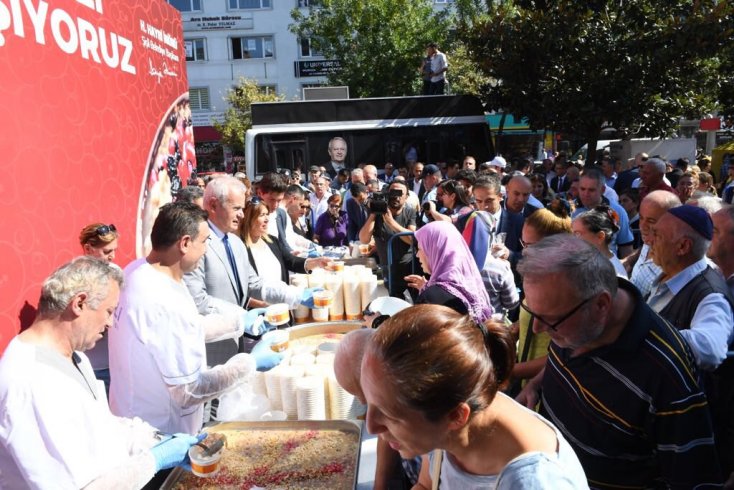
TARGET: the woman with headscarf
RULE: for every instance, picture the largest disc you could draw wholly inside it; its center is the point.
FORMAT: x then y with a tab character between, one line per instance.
455	281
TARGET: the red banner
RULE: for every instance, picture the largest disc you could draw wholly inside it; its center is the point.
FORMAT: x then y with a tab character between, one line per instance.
96	128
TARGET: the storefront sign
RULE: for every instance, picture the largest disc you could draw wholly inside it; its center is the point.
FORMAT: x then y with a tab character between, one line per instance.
316	68
218	23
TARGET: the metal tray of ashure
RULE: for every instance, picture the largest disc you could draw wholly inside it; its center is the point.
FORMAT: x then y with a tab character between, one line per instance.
322	328
308	427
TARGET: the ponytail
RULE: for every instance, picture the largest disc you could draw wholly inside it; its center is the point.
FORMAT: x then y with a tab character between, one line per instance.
500	345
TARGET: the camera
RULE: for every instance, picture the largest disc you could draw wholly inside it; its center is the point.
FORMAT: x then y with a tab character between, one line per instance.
426	206
380	201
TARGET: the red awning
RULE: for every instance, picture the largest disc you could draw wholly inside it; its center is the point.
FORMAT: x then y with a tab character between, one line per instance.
206	133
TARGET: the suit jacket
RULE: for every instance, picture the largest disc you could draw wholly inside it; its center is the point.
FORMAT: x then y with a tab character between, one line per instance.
511	223
356	218
566	184
625	179
288	261
421	190
331	170
282	220
214	289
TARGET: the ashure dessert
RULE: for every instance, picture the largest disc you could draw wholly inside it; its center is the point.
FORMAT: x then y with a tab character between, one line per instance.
277	314
283	459
206	463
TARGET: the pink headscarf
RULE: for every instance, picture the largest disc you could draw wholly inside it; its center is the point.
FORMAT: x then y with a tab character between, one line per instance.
453	267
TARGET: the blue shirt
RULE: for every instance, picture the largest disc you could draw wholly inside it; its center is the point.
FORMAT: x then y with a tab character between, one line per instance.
711	329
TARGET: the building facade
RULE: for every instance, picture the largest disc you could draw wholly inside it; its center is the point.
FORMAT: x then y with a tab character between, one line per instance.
229	39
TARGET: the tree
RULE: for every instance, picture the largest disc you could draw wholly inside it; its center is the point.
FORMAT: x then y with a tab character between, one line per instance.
577	66
379	43
238	118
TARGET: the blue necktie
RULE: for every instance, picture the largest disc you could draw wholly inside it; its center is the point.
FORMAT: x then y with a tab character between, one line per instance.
233	265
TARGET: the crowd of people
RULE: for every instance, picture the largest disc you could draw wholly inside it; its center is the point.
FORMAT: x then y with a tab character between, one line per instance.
570	329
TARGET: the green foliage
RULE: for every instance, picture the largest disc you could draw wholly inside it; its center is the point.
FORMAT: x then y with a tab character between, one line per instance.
380	43
574	66
237	118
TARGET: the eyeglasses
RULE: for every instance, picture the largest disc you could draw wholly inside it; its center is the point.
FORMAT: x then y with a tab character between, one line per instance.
305	207
105	229
554	326
524	244
334	206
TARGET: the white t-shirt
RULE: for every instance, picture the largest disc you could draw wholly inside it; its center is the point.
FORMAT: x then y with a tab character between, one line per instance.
438	63
157	341
56	430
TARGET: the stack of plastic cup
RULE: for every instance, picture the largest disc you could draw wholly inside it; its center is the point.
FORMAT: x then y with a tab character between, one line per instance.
310	398
352	295
302	314
288	376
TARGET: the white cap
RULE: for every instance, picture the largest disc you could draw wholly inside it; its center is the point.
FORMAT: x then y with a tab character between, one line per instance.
498	161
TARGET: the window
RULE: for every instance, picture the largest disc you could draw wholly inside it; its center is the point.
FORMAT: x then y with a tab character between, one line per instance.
307	50
245	48
267	89
249	4
307	3
199	99
186	5
195	49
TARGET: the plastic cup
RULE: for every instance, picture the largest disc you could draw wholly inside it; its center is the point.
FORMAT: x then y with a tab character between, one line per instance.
364	248
279	339
204	466
277	314
337	266
323	299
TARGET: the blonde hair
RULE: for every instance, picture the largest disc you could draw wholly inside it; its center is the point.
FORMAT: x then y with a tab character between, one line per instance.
546	223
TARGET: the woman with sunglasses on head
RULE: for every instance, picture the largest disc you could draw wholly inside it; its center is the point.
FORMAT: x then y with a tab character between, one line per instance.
455	202
597	226
532	348
100	240
431	378
267	256
331	227
454	277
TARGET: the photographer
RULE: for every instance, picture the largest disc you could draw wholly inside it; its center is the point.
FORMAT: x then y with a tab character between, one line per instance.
455	204
388	216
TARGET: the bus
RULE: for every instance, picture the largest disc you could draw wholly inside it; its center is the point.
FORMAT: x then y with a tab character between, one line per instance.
442	128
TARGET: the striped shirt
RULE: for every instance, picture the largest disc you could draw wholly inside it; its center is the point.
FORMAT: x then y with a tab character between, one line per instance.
633	410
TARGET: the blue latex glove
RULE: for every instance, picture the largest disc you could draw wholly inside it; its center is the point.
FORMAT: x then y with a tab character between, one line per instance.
265	357
307	298
174	451
313	251
255	323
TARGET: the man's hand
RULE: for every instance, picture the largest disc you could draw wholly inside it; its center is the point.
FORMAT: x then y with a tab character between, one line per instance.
530	395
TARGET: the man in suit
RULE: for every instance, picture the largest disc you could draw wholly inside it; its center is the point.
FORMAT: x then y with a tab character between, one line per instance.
416	183
519	189
338	154
627	177
356	211
271	191
560	183
223	280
